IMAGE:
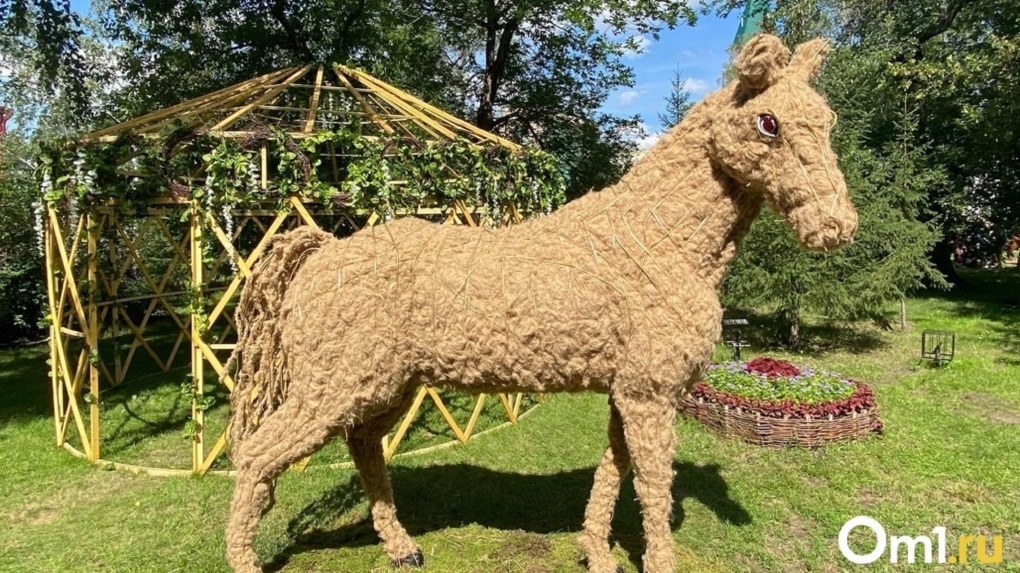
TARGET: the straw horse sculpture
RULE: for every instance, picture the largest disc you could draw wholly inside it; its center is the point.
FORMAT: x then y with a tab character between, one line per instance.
616	292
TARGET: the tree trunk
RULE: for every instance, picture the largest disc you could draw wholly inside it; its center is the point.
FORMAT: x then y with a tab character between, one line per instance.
791	318
942	258
903	314
498	41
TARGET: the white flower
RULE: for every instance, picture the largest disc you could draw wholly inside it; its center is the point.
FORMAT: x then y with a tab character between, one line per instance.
37	209
228	224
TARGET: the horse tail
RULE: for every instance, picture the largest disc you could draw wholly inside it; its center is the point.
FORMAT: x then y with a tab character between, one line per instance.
261	379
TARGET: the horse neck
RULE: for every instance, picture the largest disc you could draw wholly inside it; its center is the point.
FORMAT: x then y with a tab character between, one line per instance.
673	214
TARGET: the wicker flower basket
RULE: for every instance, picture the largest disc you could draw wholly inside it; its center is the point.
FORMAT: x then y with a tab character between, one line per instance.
758	423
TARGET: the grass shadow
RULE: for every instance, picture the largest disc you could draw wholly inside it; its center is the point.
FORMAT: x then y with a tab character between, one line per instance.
443	496
992	295
24	381
765	331
129	422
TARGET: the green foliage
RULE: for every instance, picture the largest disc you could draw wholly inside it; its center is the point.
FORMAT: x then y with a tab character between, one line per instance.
810	387
22	290
385	174
219	42
47	37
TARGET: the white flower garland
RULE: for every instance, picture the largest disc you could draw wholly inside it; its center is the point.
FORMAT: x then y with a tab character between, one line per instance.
45	187
40	233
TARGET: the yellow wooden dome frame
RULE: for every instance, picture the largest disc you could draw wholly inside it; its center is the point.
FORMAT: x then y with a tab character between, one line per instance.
87	307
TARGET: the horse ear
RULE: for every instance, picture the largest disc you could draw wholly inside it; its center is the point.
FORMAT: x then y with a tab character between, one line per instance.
760	62
808	57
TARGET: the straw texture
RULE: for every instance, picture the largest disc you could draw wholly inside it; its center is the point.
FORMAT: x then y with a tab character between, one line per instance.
617	292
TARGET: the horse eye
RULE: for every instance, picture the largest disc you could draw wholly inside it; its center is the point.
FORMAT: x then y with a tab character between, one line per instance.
768	125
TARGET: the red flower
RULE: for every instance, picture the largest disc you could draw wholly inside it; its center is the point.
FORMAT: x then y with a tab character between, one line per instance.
772	367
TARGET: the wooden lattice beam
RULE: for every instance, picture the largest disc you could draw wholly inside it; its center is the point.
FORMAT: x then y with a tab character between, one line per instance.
205	102
313	105
267	96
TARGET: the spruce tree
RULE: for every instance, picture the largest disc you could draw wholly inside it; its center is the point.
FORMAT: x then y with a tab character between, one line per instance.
888	183
678	101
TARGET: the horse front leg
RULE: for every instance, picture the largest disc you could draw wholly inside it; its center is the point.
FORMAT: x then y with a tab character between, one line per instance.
598	515
648	427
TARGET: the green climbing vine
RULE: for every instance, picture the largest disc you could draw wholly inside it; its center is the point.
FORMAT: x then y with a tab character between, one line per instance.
341	170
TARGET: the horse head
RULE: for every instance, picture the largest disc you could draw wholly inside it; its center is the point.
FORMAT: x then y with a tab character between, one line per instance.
772	137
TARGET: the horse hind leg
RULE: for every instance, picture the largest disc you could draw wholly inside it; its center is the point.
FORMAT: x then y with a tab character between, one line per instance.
287	435
365	445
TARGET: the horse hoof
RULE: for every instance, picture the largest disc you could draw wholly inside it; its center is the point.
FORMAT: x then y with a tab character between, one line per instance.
415	559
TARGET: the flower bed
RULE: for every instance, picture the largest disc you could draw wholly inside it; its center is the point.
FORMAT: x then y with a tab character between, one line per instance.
772	402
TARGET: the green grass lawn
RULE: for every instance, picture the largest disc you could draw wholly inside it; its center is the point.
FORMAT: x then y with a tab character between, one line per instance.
512	501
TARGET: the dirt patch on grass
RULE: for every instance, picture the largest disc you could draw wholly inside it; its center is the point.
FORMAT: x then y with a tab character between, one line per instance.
523	551
868	498
34	514
520	543
966	491
992	407
43	508
791	544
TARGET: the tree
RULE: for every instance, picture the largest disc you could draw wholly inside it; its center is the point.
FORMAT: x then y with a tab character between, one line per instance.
888	166
204	45
678	101
22	292
538	71
951	65
49	34
535	71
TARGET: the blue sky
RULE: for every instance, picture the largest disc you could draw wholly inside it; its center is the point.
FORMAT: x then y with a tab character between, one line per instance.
699	51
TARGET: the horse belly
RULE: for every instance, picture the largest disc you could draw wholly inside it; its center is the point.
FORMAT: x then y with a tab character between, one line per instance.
501	325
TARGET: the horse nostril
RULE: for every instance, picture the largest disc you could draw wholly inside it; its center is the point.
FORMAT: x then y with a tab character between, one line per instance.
836	227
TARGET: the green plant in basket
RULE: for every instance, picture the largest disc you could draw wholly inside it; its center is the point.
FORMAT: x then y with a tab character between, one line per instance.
778	380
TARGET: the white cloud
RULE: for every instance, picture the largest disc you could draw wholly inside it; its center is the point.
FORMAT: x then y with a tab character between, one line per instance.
647	138
627	97
647	142
696	86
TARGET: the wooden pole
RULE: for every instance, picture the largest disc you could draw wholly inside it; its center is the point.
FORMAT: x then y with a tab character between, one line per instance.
267	96
119	369
197	364
184	107
365	106
92	333
313	105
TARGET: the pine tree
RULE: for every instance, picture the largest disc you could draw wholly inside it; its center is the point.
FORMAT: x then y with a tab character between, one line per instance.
678	101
